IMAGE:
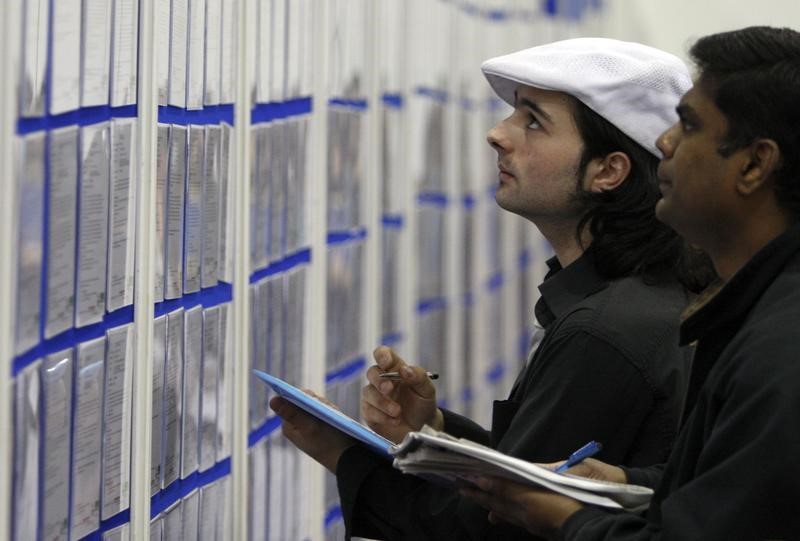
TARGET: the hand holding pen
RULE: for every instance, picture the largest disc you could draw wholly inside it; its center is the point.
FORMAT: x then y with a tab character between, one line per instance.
590	449
399	403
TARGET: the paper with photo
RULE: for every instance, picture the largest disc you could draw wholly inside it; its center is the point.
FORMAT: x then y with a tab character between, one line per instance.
163	33
173	286
34	57
162	177
210	208
213	51
157	405
196	49
122	215
90	300
57	391
124	52
95	52
87	431
117	421
27	438
65	78
193	228
179	29
173	396
208	399
29	211
62	230
192	366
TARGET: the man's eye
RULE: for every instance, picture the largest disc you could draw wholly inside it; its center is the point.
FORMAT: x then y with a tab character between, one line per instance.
533	123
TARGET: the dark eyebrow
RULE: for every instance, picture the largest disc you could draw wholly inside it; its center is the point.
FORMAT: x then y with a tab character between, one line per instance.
533	106
684	110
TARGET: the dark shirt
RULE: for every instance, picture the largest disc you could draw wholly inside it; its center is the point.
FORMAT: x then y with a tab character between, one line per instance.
734	472
608	368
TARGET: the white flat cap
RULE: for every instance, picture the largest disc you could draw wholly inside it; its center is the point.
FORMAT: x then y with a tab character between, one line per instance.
633	86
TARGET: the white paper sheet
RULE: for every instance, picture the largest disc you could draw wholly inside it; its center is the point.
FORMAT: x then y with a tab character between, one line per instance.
224	530
95	52
179	29
276	474
34	58
213	51
191	509
122	214
29	210
208	513
124	52
156	525
162	176
173	287
173	522
65	91
258	339
228	46
120	533
93	225
27	438
163	33
276	177
57	390
259	193
157	417
192	366
117	419
196	62
87	437
224	404
62	230
173	396
193	227
257	499
264	48
278	63
294	32
208	400
226	202
210	206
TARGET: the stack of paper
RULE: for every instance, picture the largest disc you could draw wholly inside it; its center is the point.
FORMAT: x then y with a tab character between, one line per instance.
441	457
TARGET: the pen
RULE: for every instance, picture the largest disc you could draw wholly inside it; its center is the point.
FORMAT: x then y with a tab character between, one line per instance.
395	376
590	449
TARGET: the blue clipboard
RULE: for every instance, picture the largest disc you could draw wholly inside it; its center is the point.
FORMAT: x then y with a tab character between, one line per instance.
329	415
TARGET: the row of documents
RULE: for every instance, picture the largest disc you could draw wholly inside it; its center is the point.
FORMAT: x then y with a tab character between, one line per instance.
278	180
72	412
203	515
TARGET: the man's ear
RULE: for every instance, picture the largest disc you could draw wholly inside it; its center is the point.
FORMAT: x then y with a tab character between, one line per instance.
762	158
607	173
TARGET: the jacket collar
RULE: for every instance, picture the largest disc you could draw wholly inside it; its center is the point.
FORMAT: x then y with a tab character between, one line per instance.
563	288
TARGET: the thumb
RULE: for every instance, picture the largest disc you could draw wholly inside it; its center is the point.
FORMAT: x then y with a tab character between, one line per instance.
417	379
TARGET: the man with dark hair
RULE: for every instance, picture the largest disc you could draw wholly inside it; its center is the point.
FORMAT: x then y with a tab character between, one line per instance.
575	157
730	178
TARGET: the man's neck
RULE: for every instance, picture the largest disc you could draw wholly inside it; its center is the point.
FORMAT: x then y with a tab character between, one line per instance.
737	249
564	242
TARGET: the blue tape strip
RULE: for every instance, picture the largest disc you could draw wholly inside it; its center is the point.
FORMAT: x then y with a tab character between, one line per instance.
183	487
110	523
264	431
346	371
284	265
466	394
496	372
267	112
213	114
434	199
333	515
207	298
391	339
498	15
358	104
550	7
344	237
84	116
429	305
495	281
393	101
71	337
468	299
393	221
468	201
435	94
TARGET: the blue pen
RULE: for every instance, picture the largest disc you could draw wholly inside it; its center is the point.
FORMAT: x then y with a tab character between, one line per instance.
590	449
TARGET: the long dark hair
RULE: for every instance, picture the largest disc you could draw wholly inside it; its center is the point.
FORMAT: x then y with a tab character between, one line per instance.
627	238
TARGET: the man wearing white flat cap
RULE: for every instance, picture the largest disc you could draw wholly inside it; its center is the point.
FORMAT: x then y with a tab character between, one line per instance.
577	158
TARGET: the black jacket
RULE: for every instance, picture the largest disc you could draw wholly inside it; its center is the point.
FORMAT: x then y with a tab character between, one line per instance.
735	472
609	368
